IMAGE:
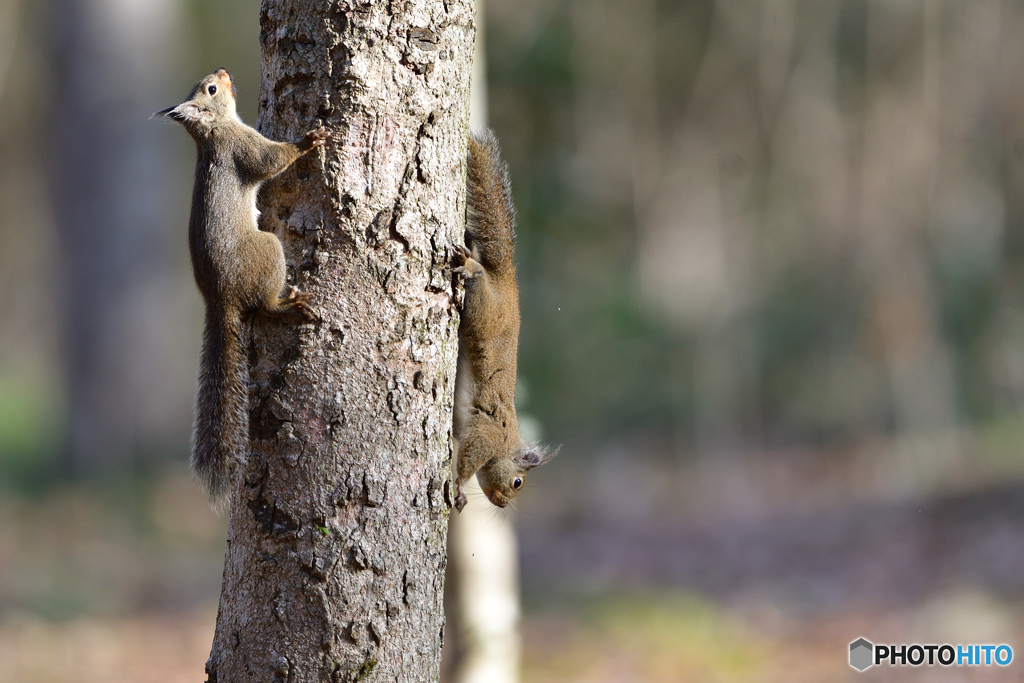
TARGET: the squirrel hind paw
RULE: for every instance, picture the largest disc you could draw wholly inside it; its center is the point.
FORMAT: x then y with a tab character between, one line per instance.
308	312
296	301
303	308
464	264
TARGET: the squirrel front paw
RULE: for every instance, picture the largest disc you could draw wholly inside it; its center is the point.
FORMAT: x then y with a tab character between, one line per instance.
315	138
460	495
464	263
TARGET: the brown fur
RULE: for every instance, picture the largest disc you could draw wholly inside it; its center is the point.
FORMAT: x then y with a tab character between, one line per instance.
238	268
485	427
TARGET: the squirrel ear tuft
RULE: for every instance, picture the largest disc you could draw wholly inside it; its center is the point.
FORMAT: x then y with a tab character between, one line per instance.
188	111
534	455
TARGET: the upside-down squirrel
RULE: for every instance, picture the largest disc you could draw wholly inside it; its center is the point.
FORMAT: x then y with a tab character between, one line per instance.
485	427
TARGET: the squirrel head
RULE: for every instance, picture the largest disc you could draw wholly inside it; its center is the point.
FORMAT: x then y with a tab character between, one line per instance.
211	100
502	478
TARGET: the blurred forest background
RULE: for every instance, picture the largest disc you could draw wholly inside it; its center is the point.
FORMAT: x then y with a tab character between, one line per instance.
772	270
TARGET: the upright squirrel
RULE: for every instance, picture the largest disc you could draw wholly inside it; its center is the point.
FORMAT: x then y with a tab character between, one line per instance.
485	427
238	268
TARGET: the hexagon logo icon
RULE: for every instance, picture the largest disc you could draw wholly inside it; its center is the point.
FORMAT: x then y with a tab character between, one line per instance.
861	654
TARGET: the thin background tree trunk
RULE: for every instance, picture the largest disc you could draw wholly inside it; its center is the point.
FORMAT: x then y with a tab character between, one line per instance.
110	182
336	545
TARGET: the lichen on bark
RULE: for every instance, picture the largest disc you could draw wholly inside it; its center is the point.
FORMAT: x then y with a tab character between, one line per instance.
336	543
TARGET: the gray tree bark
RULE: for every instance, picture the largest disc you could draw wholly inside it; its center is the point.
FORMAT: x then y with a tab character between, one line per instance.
336	543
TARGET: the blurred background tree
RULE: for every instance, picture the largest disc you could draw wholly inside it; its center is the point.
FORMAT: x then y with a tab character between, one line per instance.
111	182
766	225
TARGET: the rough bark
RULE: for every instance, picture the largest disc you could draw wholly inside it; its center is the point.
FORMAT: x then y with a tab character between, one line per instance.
336	545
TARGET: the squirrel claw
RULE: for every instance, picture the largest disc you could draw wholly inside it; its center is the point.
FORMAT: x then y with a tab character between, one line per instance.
468	271
460	495
308	312
298	301
467	266
316	138
295	296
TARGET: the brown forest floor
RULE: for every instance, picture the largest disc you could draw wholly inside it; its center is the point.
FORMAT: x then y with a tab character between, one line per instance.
120	585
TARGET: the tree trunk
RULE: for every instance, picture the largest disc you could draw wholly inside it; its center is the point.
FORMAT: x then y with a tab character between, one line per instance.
336	545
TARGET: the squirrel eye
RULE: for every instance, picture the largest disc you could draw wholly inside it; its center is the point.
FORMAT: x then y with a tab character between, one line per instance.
517	483
212	90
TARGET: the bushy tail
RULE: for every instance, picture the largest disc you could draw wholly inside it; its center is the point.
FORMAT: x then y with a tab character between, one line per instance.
220	432
491	216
